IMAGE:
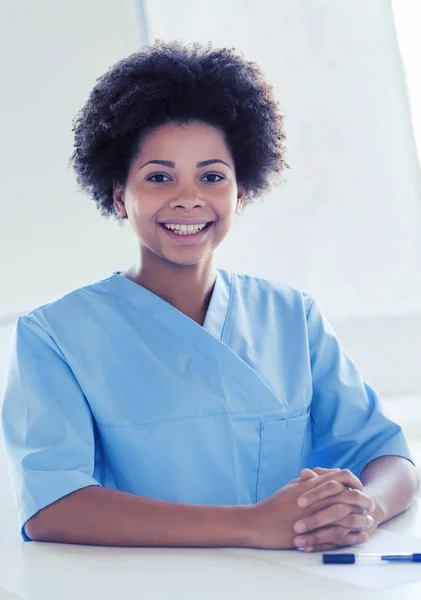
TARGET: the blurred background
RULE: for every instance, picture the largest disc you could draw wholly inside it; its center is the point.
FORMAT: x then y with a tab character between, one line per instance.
344	226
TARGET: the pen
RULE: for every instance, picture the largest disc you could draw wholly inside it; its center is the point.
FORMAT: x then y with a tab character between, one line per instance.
374	559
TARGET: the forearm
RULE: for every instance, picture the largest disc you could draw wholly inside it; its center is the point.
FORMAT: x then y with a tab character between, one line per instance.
106	517
392	482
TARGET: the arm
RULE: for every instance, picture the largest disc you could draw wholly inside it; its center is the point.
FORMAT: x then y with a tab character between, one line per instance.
350	427
392	482
350	430
101	516
48	431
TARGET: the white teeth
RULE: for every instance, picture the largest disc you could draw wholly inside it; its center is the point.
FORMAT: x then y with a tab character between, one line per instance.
185	229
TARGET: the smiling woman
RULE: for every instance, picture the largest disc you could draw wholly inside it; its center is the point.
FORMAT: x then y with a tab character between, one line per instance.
176	403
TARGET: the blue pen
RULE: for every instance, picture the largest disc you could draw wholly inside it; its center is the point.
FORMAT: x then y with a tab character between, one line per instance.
369	559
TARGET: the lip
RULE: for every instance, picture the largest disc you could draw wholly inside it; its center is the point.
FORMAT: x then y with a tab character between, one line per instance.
187	240
184	221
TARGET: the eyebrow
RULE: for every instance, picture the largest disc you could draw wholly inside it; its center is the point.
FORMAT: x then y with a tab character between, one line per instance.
171	163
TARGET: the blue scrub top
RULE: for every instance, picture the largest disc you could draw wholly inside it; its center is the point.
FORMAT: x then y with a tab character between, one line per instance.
111	385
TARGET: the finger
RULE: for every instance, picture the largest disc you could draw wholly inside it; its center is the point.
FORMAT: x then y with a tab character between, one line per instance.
324	490
330	535
322	470
320	548
338	493
356	522
354	498
318	506
343	476
307	474
335	513
322	518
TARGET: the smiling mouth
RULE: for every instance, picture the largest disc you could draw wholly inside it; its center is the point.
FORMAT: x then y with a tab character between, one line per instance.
185	230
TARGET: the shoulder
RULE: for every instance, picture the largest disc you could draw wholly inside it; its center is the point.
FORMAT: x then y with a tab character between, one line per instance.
66	307
268	291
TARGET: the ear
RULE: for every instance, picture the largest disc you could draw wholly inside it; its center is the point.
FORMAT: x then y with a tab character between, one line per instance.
118	198
240	199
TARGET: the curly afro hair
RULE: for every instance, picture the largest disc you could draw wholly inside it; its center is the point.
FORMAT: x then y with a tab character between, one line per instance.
171	82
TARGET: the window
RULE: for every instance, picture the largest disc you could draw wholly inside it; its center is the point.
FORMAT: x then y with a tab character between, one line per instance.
407	14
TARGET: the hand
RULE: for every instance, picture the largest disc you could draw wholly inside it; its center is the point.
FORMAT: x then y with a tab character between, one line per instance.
274	518
341	516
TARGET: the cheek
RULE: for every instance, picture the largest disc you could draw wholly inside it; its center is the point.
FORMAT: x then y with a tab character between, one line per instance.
223	226
225	205
143	213
142	224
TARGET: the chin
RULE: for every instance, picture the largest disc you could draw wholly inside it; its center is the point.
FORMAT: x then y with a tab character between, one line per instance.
188	261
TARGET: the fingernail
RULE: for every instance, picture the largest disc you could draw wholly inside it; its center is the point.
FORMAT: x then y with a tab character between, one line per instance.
300	527
370	518
302	501
300	541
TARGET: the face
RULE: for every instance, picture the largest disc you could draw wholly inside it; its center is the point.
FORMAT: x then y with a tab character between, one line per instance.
181	194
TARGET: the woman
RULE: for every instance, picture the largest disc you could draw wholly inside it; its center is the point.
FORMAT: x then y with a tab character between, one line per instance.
176	403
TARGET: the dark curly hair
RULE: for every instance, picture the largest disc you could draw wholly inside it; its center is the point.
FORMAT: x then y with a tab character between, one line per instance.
171	82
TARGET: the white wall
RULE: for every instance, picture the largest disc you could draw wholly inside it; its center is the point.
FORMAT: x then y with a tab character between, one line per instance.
345	226
407	16
51	237
347	220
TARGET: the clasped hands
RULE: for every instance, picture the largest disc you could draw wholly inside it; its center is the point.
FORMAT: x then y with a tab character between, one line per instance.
340	513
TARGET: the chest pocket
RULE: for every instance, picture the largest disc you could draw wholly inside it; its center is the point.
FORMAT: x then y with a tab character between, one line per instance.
285	449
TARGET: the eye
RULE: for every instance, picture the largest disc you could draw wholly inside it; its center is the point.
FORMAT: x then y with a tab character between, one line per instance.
151	178
214	175
157	178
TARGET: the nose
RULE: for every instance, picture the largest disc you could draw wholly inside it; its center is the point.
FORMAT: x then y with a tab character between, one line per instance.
187	199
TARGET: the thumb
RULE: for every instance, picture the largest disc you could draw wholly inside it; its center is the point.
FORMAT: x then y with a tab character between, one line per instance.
307	474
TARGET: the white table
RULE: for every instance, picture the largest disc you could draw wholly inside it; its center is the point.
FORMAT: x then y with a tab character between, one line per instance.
41	571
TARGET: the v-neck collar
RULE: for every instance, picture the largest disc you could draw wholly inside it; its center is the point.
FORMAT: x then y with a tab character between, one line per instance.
218	309
207	340
147	301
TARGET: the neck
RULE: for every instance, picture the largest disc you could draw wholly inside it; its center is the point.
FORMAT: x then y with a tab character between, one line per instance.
186	287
